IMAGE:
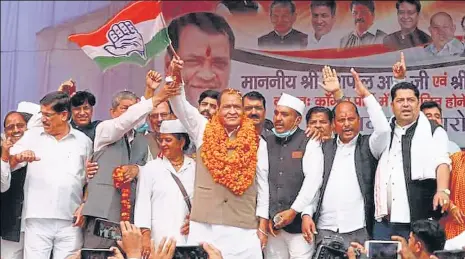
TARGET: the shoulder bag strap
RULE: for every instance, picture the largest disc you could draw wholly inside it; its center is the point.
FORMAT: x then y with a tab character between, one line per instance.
183	191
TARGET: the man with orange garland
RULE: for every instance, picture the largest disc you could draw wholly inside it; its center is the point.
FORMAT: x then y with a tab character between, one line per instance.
230	204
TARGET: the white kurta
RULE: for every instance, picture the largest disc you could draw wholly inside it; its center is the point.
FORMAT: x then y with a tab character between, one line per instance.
160	205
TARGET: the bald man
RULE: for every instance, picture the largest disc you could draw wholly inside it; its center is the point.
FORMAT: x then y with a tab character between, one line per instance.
442	29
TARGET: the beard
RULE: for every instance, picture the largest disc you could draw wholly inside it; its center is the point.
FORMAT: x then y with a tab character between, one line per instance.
206	114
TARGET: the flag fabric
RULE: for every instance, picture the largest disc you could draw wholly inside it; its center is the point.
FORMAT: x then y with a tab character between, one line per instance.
134	35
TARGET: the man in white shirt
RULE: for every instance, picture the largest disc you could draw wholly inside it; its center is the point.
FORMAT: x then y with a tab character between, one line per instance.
412	179
231	216
442	29
365	32
433	111
54	182
346	163
161	204
323	18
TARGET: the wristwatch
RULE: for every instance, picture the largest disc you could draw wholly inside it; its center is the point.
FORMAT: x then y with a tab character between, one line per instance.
446	191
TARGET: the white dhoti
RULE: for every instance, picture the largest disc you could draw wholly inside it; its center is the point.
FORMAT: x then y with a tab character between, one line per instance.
288	246
11	249
44	235
233	242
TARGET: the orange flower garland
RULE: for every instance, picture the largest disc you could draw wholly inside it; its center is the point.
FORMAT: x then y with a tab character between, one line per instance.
231	163
118	182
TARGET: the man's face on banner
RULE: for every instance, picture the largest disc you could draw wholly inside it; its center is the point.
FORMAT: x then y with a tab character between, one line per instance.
407	16
363	17
442	29
322	20
207	61
282	18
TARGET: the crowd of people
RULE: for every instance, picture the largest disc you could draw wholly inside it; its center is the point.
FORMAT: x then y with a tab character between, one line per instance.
217	175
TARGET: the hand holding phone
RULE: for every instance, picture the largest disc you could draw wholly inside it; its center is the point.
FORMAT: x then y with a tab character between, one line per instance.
107	229
450	254
383	249
96	253
190	252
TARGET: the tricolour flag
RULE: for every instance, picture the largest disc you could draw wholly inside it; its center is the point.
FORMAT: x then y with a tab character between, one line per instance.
134	35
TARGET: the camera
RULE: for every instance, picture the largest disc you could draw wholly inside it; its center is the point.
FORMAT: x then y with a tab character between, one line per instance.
331	247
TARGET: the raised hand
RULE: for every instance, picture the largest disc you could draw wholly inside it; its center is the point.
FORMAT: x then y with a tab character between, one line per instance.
360	88
174	70
6	145
399	69
125	40
330	80
68	87
153	80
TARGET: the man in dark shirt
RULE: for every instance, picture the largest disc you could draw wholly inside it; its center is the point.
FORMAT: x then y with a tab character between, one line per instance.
283	16
82	108
408	14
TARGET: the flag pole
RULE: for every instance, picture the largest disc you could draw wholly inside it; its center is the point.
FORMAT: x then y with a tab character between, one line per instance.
174	51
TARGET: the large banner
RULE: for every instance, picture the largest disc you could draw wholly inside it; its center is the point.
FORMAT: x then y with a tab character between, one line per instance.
281	46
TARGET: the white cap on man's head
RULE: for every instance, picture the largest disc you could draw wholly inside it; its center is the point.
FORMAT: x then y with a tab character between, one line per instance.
292	102
28	107
172	126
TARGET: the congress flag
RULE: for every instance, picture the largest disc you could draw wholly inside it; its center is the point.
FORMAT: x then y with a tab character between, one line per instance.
134	35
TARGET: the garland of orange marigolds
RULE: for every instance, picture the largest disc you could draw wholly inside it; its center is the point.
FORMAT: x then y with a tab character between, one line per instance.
118	182
231	163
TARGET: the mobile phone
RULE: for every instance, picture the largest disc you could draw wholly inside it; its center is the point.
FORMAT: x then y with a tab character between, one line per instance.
383	249
107	229
451	254
190	252
95	253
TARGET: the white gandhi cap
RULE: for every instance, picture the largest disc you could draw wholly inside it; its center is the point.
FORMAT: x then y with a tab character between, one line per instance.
172	126
292	102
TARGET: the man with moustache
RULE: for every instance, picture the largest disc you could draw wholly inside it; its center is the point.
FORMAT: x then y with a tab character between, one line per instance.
323	18
287	148
255	108
208	103
320	119
53	189
412	179
442	29
365	33
347	162
283	16
205	42
433	111
231	214
82	108
408	14
12	192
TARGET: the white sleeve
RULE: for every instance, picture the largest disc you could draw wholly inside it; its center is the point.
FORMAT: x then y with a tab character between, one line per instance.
379	139
109	131
311	208
441	147
190	117
5	176
143	208
312	164
263	189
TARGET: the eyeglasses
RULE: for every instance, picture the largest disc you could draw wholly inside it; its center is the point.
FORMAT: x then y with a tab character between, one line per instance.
48	115
17	125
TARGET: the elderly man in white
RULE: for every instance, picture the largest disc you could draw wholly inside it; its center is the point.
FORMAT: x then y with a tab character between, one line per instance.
166	187
53	189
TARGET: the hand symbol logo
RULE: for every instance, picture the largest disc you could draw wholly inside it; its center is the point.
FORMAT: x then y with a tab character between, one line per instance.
124	40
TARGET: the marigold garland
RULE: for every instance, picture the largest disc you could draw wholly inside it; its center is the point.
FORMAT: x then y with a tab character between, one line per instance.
234	169
118	182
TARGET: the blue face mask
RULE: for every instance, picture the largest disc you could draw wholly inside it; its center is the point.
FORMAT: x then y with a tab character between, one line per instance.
284	134
143	128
